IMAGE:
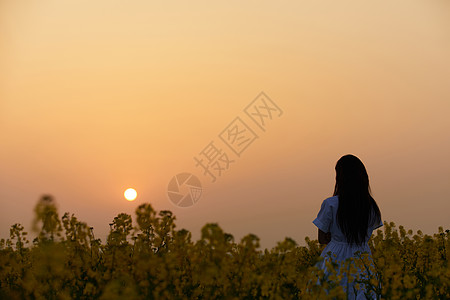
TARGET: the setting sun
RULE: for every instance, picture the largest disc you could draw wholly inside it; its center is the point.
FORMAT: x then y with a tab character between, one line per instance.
130	194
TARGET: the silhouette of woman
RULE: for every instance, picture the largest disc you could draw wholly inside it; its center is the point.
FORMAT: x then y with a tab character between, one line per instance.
347	219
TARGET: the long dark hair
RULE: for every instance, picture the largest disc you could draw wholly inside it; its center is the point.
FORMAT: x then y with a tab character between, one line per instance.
357	209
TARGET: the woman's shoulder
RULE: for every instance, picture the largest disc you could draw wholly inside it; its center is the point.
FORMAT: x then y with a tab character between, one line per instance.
332	201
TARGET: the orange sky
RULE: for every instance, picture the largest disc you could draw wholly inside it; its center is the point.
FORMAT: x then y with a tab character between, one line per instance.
98	96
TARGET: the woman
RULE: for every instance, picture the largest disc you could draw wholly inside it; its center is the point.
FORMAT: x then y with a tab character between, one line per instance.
346	220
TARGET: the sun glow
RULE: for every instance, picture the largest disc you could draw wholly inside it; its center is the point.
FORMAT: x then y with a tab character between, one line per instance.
130	194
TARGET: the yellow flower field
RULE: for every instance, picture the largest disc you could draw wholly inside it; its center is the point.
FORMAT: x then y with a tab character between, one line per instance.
154	260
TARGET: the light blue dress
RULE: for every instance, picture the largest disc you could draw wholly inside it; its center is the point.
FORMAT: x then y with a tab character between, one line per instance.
326	221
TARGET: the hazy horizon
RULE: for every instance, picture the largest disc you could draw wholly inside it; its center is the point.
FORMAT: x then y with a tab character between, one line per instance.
100	96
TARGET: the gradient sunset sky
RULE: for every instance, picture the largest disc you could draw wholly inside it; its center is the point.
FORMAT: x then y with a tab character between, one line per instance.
99	96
